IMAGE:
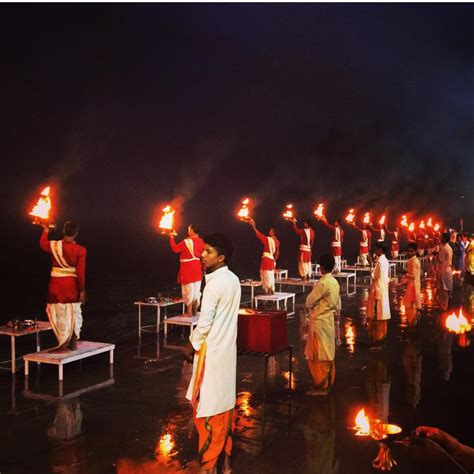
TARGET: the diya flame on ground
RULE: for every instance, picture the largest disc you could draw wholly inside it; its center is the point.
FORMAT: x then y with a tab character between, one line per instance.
350	216
244	211
166	222
362	423
289	213
319	211
42	207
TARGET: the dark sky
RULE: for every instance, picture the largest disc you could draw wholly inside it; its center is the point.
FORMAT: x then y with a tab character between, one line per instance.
124	107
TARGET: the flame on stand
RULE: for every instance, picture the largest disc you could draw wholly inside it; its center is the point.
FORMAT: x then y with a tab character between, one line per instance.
43	205
319	211
366	219
436	227
457	324
289	213
382	220
244	211
362	423
166	222
429	223
411	227
422	225
350	216
404	221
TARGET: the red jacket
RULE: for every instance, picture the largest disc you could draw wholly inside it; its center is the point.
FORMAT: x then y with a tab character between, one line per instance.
190	268
268	263
66	289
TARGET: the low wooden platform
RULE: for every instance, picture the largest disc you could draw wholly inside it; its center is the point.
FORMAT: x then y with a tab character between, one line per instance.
84	349
182	320
276	298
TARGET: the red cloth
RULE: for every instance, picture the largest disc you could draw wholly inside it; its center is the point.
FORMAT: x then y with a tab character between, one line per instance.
363	249
336	251
395	245
304	256
66	289
189	272
267	263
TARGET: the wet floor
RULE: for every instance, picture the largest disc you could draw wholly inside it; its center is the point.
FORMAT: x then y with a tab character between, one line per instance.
134	418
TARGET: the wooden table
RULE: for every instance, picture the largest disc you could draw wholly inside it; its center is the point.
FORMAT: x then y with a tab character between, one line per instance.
158	307
8	331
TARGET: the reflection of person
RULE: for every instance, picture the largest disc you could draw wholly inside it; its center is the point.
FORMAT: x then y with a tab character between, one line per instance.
378	306
66	291
461	453
271	250
68	452
412	298
306	242
444	273
412	365
445	355
190	268
320	349
212	388
378	387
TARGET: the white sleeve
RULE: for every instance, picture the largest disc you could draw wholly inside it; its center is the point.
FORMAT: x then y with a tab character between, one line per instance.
210	299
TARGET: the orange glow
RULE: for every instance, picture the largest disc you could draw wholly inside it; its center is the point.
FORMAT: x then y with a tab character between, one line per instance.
244	399
286	374
244	211
289	213
362	423
429	223
166	222
457	324
404	221
366	219
319	211
411	227
422	225
43	205
350	216
382	220
436	227
349	333
165	445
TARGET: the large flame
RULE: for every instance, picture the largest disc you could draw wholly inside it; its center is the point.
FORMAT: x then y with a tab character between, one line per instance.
166	222
289	213
457	324
366	219
382	219
411	227
319	211
244	212
165	445
404	221
436	227
350	216
362	423
422	225
429	223
43	205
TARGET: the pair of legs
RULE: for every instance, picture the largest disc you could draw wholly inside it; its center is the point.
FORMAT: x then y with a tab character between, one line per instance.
268	281
304	267
191	293
322	371
66	320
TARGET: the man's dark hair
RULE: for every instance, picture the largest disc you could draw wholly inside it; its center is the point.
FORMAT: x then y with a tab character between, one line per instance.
222	244
382	247
70	229
326	262
445	237
309	222
413	246
195	228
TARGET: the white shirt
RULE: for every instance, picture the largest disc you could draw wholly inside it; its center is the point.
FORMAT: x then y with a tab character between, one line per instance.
217	325
379	286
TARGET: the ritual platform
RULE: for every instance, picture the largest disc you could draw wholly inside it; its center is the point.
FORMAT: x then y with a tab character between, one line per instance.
280	274
84	350
347	276
276	298
156	303
181	320
252	284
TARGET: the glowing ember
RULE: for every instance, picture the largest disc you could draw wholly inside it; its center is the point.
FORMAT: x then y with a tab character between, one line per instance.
404	221
382	220
422	225
244	211
384	460
166	222
43	205
289	213
165	445
429	223
350	216
457	324
436	227
319	211
411	227
362	423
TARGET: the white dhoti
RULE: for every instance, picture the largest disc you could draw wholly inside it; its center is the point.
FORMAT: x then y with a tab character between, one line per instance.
66	320
268	280
304	268
191	292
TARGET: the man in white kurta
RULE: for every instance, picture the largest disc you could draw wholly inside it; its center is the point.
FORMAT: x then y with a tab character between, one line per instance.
320	350
378	307
412	298
444	273
213	343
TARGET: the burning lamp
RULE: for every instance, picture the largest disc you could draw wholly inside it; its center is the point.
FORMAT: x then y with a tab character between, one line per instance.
289	213
42	208
319	211
350	216
166	222
366	219
244	211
